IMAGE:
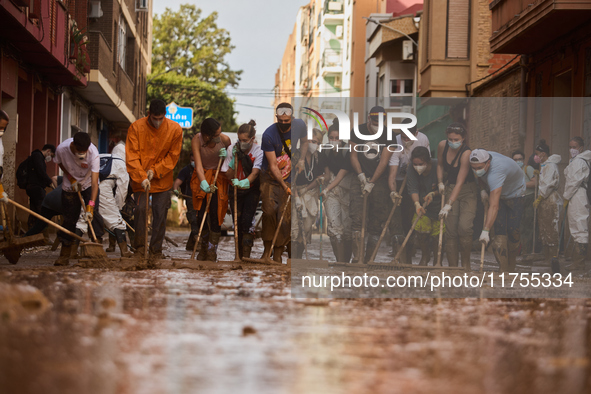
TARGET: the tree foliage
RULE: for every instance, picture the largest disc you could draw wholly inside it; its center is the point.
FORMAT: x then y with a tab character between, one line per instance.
194	45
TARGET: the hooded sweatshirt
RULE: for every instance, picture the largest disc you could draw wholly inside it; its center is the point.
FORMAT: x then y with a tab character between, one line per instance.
549	176
576	174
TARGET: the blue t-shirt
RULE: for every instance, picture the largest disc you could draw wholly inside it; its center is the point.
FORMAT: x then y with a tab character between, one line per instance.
505	172
272	140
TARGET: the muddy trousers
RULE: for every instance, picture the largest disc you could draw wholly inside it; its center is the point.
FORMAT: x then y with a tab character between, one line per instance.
273	199
549	215
247	203
459	222
160	206
36	195
506	241
71	215
192	219
338	226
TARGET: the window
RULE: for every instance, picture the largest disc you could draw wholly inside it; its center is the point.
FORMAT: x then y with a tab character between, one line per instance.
458	29
401	91
121	42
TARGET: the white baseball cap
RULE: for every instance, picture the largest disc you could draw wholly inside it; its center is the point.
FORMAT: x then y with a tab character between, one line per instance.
479	156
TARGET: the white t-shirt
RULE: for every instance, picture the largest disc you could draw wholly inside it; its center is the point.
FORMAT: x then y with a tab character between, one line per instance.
401	159
256	154
80	169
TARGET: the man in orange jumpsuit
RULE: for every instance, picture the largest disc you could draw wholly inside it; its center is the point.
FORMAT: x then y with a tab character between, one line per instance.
152	151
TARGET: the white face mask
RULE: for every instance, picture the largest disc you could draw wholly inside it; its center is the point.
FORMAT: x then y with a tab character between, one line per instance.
1	133
81	156
47	159
420	169
244	146
408	144
372	128
574	152
312	147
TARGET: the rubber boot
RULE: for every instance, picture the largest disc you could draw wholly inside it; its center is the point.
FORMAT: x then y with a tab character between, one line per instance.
277	252
212	246
122	242
202	255
578	258
499	246
64	258
347	245
112	243
512	256
46	237
355	246
451	251
334	242
74	252
191	241
465	252
247	244
297	249
425	246
267	251
372	243
288	248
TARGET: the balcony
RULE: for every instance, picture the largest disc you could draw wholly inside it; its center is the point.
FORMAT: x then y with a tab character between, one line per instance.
333	12
525	26
332	62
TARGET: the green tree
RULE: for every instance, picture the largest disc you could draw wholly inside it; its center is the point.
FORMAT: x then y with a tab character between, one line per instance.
193	45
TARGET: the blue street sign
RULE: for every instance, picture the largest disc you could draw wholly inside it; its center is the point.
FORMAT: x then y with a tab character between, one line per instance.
182	115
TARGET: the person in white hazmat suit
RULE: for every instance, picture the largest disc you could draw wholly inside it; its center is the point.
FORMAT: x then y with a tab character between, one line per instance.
575	196
549	202
113	192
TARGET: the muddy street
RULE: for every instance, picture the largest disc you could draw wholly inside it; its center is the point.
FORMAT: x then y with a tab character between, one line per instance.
75	330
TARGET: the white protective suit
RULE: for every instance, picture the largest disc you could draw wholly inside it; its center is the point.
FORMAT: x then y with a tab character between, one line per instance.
577	177
551	204
110	205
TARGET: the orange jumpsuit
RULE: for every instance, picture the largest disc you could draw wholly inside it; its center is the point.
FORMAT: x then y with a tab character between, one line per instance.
153	149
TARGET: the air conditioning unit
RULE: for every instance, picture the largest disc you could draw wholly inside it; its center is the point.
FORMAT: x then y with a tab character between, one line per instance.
407	50
337	81
339	31
94	9
142	5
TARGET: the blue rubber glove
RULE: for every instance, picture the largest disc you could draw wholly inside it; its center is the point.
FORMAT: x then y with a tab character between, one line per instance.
231	165
205	186
235	150
223	152
243	184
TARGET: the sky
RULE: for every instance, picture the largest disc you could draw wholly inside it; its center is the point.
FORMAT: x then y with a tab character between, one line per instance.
259	30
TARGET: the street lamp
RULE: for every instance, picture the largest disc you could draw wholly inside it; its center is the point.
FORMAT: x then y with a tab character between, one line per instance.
416	20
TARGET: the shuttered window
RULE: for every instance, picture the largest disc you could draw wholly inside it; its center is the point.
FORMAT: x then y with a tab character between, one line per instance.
458	29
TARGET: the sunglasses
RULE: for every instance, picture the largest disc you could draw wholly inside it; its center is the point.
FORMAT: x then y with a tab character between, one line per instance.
284	111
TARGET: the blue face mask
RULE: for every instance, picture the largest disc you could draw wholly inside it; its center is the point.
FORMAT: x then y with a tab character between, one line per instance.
480	173
193	164
454	145
520	163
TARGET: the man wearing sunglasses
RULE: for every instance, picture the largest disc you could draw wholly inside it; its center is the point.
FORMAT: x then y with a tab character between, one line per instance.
276	175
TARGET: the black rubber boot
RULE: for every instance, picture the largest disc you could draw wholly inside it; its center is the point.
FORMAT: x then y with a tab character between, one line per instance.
202	255
212	246
64	258
334	242
191	241
74	250
347	245
426	246
112	243
122	242
247	244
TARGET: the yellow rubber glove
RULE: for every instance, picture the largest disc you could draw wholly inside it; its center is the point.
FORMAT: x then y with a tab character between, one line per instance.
565	204
537	202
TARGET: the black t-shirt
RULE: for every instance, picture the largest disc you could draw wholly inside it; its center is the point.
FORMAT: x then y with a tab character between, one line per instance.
185	175
313	170
369	159
337	161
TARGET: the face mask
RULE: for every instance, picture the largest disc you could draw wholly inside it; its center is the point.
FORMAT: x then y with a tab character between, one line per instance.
244	145
480	173
1	133
283	127
408	144
312	147
47	159
335	142
420	169
520	163
372	128
193	164
574	152
81	156
156	124
454	145
217	140
537	159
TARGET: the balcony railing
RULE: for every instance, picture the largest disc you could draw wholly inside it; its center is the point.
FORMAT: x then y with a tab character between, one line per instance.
332	58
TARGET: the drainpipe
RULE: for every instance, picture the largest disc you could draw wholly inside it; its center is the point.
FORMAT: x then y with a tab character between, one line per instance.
523	101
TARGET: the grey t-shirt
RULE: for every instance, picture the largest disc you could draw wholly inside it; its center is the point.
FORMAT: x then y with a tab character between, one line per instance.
505	172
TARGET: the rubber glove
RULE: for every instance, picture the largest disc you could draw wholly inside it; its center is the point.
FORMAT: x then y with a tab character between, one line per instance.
150	174
205	186
484	238
176	193
75	185
419	209
565	204
444	211
395	197
368	187
146	185
537	202
4	198
441	188
429	197
243	184
223	152
89	214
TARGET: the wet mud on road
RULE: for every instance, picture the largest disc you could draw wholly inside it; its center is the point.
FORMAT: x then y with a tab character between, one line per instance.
75	330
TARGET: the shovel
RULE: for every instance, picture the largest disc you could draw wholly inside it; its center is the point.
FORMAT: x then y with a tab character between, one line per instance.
11	247
266	259
237	253
198	241
483	247
440	234
89	249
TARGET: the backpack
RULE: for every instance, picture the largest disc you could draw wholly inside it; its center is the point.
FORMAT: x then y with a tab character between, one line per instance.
22	173
106	165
